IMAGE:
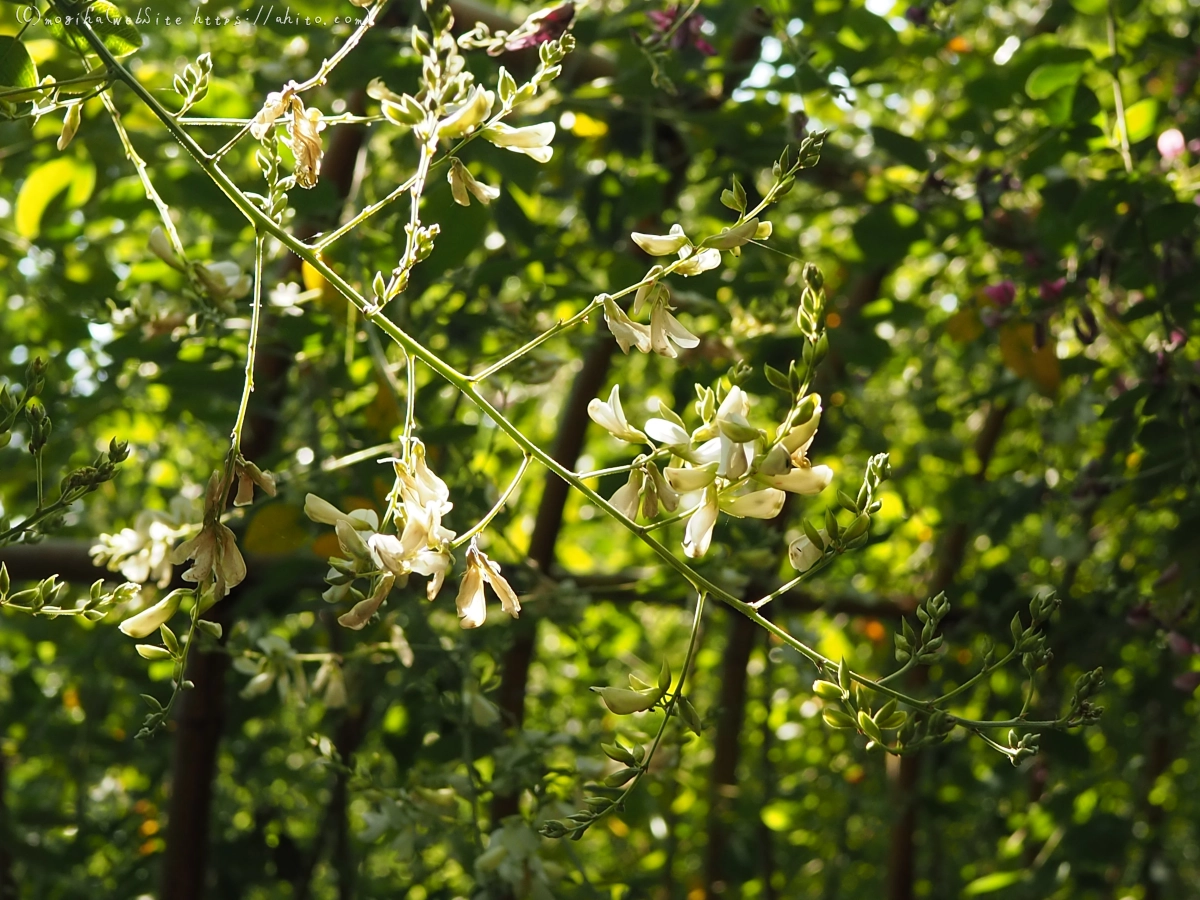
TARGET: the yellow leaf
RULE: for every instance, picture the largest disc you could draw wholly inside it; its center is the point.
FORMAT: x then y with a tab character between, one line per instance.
45	183
1039	365
313	280
964	326
585	126
276	529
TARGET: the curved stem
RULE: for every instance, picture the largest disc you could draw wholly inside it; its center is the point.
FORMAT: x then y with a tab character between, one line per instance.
495	510
251	343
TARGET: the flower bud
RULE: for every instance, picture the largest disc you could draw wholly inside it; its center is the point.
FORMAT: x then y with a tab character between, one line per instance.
624	701
148	620
661	244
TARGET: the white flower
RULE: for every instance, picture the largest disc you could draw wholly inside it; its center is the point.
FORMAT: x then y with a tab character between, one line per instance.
667	432
627	496
223	280
807	480
463	186
692	478
764	504
731	416
471	603
264	121
215	555
800	438
463	118
804	554
421	548
662	492
363	610
532	140
698	261
698	534
662	244
627	332
611	417
161	247
143	552
665	332
322	511
249	475
434	563
149	620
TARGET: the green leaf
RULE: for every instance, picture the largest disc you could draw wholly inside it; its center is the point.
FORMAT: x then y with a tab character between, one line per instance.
1140	119
989	883
16	67
1045	80
905	149
45	183
115	30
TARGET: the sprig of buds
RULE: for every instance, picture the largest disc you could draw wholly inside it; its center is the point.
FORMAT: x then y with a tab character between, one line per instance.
192	83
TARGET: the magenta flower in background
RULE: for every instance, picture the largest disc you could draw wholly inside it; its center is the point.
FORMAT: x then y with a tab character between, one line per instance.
1171	144
1050	291
540	28
1002	293
688	34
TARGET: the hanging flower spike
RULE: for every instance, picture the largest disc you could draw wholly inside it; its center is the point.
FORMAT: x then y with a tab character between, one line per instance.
611	417
627	332
532	140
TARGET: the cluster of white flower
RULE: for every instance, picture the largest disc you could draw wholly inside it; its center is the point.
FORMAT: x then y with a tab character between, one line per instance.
724	465
421	546
664	333
143	553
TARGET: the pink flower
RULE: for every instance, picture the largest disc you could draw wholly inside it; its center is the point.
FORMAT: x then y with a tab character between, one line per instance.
1171	144
1051	291
662	21
540	28
1001	294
